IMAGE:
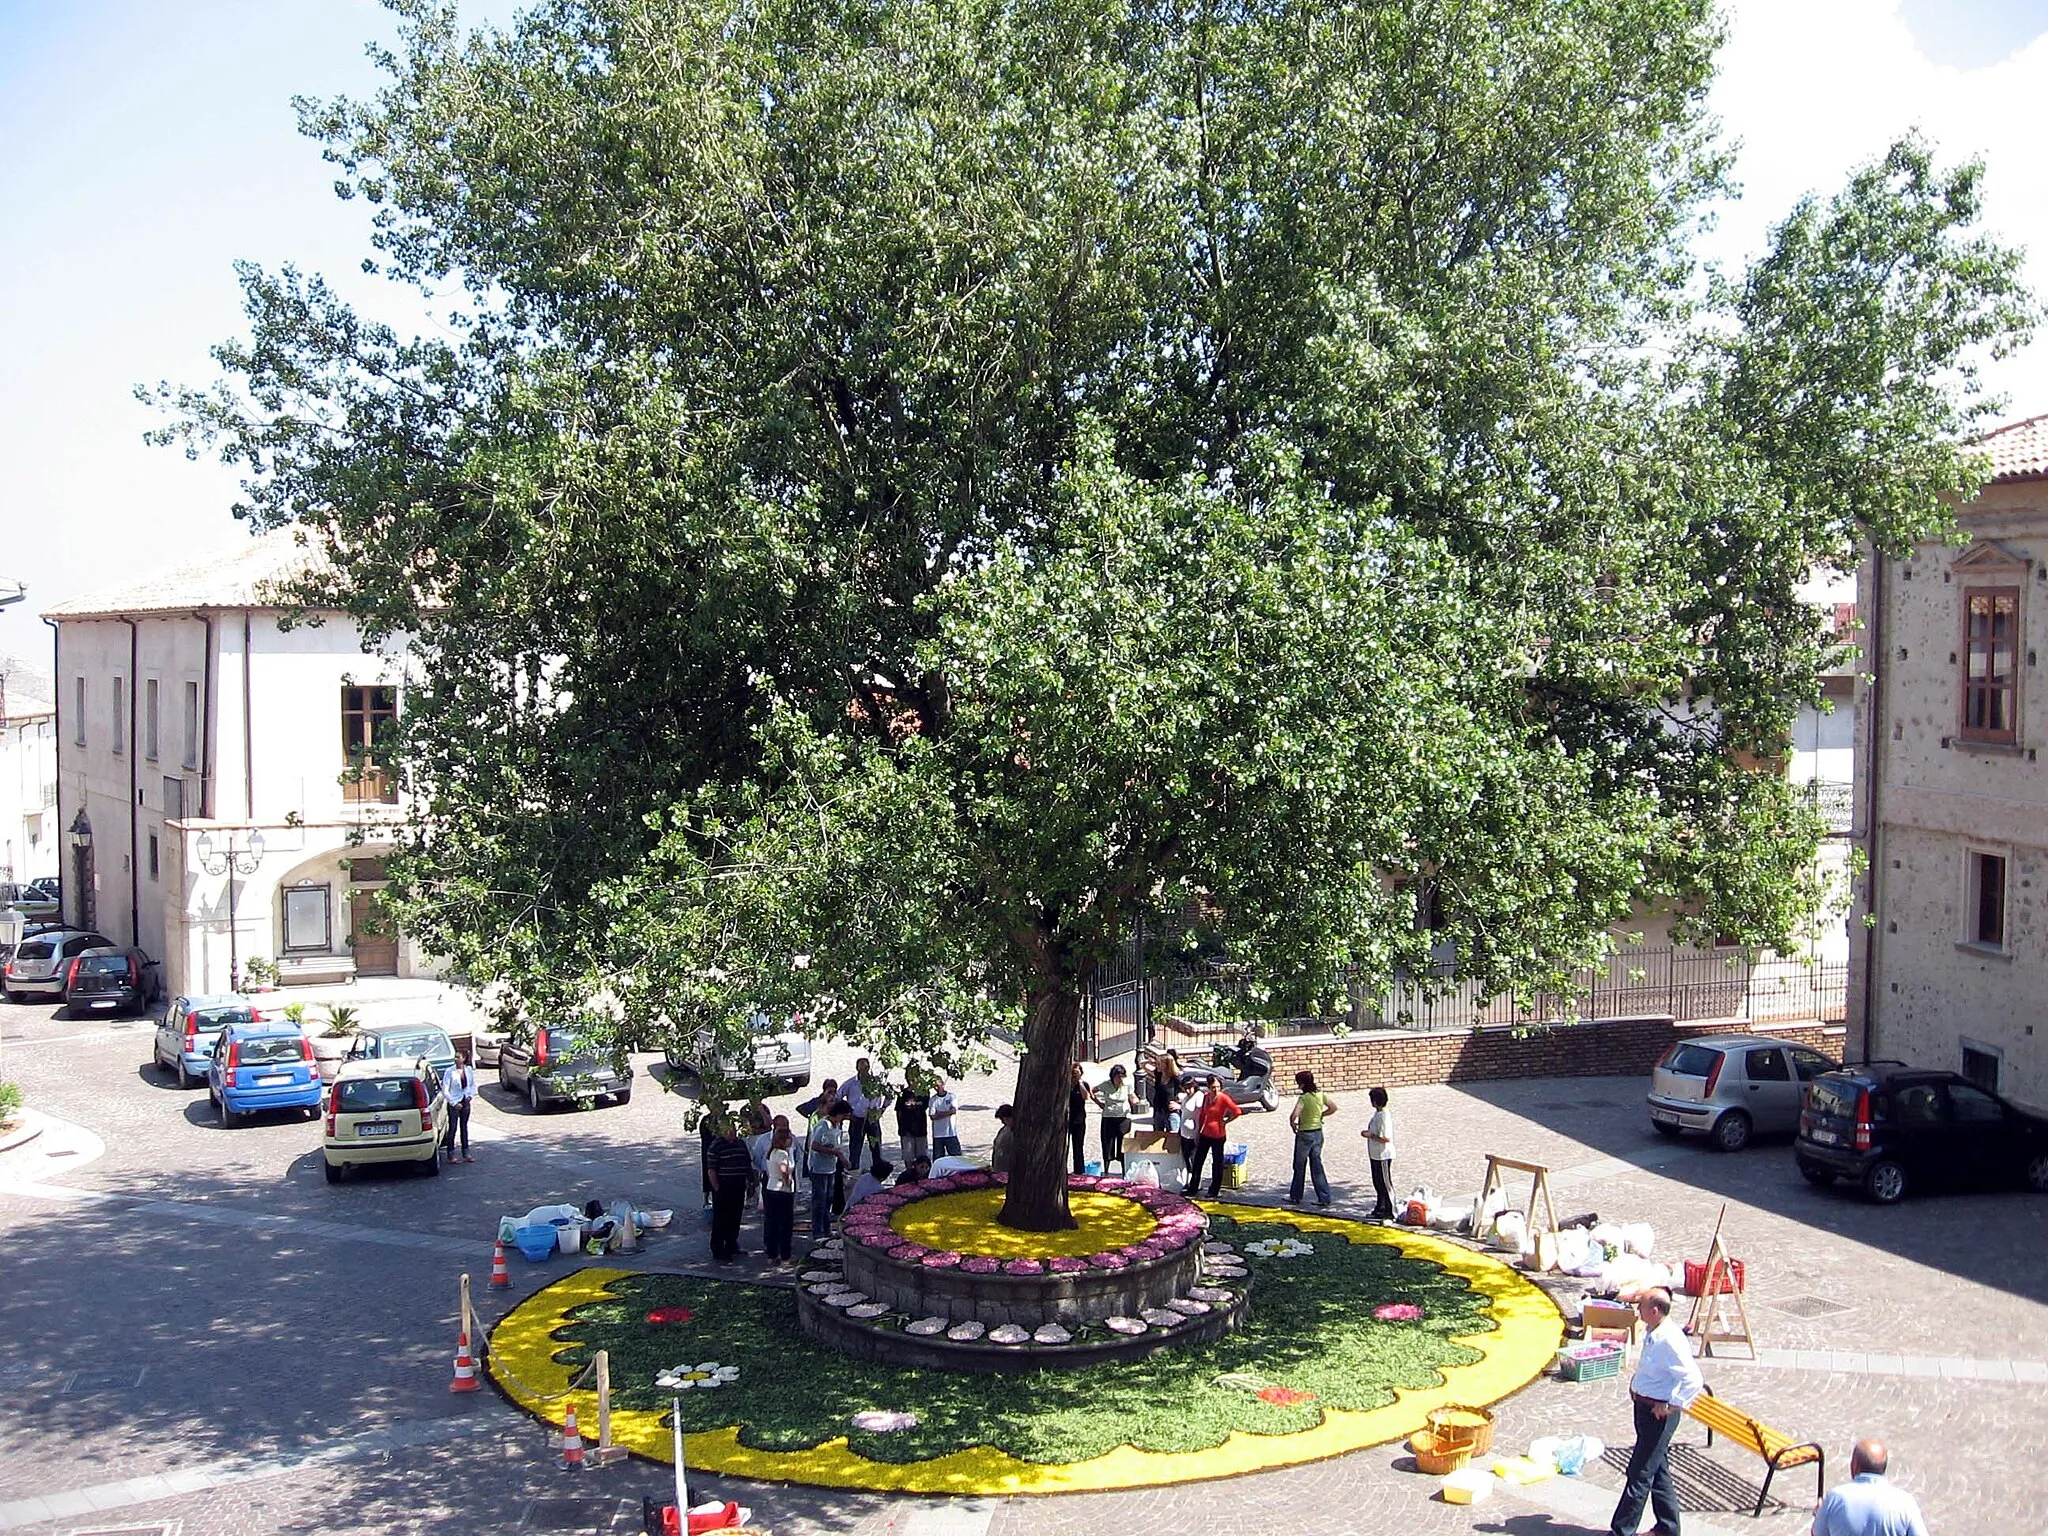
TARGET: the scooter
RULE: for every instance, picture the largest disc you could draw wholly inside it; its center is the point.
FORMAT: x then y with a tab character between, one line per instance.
1251	1079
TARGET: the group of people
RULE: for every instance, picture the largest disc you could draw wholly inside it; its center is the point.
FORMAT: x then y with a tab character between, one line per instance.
842	1124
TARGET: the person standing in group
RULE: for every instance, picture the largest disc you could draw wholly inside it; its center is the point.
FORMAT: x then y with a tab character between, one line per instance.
945	1124
459	1084
1186	1123
1379	1149
825	1162
866	1096
818	1108
1218	1110
1666	1379
1311	1109
1077	1117
1116	1101
778	1193
1003	1154
1165	1089
1868	1505
732	1171
912	1105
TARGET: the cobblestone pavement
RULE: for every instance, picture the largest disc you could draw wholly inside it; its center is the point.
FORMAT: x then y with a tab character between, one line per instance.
195	1327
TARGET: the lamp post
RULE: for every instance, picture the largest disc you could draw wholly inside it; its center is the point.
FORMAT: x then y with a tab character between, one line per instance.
231	861
81	864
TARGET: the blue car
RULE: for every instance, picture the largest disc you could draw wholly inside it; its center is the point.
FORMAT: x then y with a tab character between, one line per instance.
262	1065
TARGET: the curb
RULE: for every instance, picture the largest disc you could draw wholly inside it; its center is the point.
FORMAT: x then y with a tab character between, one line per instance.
26	1130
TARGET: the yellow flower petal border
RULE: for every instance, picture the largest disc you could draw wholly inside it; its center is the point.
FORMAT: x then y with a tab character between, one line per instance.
523	1347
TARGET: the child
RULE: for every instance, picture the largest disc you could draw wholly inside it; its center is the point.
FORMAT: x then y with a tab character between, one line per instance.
1379	1148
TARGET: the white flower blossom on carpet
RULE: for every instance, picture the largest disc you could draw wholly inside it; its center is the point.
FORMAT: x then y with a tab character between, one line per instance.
878	1421
1280	1248
681	1378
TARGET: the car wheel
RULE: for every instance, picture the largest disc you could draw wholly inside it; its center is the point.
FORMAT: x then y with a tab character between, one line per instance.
432	1167
1668	1132
1731	1131
1269	1099
332	1170
185	1079
1814	1174
2037	1173
227	1116
533	1096
1885	1182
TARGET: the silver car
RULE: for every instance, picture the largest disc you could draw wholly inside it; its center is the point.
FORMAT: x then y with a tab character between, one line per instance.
1731	1087
39	962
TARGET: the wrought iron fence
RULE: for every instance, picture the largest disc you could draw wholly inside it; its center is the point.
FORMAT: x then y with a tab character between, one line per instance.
1200	1003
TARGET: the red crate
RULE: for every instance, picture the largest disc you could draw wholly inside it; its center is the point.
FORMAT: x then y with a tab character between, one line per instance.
1696	1278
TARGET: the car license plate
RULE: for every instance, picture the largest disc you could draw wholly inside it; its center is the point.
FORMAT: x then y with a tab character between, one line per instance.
378	1128
1825	1138
1663	1117
274	1082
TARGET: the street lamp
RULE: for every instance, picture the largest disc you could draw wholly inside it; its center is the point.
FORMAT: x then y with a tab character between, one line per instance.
231	861
81	862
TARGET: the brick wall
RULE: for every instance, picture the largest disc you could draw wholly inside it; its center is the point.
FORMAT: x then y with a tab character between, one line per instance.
1595	1048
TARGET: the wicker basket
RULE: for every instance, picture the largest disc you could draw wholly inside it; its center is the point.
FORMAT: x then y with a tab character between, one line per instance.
1463	1424
1433	1456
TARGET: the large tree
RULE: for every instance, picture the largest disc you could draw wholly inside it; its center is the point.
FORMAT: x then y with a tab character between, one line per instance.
913	484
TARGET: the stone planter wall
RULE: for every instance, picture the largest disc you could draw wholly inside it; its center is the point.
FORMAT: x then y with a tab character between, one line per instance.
1026	1300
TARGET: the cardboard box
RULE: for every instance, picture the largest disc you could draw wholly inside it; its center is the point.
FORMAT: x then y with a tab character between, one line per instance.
1614	1319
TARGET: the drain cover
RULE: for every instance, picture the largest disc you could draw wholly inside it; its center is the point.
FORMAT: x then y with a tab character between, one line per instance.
575	1515
1811	1306
106	1381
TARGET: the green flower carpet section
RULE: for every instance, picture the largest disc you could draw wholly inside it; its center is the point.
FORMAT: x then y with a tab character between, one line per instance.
1312	1330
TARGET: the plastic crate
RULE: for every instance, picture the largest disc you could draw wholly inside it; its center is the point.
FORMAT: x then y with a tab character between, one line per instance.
1589	1362
1696	1278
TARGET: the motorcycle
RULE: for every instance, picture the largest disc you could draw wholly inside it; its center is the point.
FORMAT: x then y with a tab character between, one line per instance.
1251	1074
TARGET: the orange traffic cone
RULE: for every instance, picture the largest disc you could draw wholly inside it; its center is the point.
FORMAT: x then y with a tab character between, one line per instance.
500	1275
572	1442
465	1368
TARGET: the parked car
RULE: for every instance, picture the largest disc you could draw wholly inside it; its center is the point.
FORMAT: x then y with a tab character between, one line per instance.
259	1065
556	1067
184	1042
1731	1087
120	980
779	1054
39	964
1891	1128
383	1111
36	899
404	1042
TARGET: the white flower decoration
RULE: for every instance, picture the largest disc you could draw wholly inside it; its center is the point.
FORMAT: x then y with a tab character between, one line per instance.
967	1330
819	1274
1125	1324
1009	1333
1050	1333
1214	1294
925	1326
1279	1248
1187	1306
881	1421
1159	1317
681	1378
844	1298
1217	1250
868	1309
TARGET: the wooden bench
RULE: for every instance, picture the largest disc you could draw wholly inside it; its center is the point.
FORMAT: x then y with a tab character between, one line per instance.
1777	1449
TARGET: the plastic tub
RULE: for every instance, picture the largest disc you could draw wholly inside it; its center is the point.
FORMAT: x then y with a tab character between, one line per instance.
536	1243
569	1235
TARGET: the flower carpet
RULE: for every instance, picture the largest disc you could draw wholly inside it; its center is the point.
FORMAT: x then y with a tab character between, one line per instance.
1355	1332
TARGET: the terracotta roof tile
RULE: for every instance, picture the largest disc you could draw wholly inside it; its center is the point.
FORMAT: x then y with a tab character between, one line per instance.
2018	451
235	578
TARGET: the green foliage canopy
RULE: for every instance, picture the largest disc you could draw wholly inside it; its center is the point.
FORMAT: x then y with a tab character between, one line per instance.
911	483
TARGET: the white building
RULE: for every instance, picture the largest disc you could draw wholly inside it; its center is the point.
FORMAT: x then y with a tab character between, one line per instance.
218	777
28	774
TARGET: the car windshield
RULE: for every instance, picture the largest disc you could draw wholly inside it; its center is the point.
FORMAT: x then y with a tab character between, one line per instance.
103	965
217	1018
564	1043
430	1043
36	949
373	1095
268	1050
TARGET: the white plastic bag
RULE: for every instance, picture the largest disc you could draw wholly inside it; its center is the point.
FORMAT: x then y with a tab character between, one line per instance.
1510	1230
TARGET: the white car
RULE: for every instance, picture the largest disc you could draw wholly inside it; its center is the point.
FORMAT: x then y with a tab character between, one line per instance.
781	1054
37	969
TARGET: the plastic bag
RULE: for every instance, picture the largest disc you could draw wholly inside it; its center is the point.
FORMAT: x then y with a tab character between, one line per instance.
1575	1451
1510	1228
1145	1173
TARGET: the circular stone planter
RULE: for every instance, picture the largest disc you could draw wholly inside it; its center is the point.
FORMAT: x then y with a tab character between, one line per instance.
987	1277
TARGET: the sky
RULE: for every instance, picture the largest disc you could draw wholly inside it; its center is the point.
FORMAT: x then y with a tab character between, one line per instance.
144	148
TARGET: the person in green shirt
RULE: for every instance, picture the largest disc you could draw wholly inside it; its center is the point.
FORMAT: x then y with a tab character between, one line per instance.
1311	1109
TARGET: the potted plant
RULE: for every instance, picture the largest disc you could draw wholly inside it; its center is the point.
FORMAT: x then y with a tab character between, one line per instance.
259	974
331	1045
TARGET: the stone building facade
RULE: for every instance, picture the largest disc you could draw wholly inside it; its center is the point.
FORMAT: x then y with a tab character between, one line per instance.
1952	813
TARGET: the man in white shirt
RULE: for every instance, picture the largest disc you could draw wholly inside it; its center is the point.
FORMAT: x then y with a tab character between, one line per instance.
945	1125
1666	1379
1868	1505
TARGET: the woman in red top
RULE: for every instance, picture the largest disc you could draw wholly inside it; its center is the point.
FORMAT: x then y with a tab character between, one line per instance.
1218	1110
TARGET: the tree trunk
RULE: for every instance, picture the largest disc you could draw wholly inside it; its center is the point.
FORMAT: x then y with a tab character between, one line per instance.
1037	1197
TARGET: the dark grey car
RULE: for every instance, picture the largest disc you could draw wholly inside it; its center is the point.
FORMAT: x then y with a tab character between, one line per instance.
555	1067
